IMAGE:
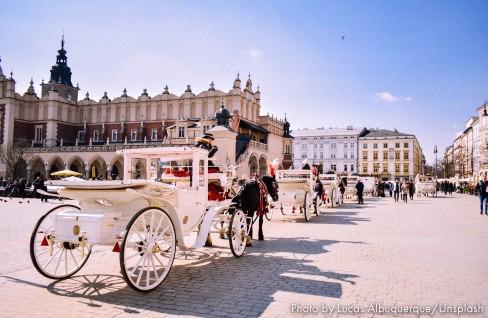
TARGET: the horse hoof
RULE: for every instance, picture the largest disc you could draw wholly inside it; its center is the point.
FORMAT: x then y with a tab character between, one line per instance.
261	238
208	244
248	242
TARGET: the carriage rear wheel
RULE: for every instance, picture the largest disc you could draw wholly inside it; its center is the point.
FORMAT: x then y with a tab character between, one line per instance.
238	233
51	257
148	249
306	207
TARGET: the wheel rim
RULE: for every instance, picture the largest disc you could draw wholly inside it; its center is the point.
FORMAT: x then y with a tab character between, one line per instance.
52	258
238	233
306	208
148	249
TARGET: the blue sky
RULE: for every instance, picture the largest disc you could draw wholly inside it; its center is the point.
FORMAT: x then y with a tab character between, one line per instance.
418	66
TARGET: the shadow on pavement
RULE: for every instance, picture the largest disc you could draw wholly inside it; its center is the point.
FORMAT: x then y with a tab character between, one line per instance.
210	283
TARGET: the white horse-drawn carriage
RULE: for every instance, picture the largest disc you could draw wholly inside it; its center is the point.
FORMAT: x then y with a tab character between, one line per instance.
350	182
332	195
297	192
425	185
143	219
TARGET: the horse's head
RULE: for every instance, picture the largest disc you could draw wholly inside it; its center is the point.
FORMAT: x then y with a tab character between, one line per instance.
272	186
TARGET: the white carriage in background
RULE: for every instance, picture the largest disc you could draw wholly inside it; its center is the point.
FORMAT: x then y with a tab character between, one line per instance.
144	220
350	184
297	192
332	195
370	186
425	185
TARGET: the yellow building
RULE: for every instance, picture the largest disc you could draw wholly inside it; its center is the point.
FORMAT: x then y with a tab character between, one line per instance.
389	154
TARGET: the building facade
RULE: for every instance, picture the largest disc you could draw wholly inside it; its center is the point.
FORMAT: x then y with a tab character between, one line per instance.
328	149
63	132
389	154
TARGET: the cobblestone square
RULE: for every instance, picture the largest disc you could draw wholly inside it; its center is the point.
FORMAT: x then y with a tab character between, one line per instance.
350	261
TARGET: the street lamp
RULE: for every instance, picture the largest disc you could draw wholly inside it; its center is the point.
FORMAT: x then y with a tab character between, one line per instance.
435	167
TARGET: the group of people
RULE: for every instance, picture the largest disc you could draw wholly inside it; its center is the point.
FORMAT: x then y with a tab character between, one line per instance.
17	188
404	187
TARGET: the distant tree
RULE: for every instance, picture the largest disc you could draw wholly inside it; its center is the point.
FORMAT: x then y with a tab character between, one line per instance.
16	157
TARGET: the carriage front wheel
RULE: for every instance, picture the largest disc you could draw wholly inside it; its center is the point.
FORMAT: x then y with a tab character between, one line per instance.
51	257
306	206
238	233
148	249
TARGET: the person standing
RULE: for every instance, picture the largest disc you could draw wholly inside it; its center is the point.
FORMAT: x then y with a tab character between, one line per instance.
396	190
390	188
404	191
360	189
411	189
481	189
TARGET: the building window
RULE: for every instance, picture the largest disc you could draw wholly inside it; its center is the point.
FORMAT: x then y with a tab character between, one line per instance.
365	168
405	145
315	155
80	135
154	134
375	168
345	168
397	168
321	155
333	167
405	168
304	156
375	155
95	135
352	145
385	155
345	155
114	135
365	146
385	168
345	145
365	155
397	145
181	132
352	155
38	134
333	155
397	155
314	146
385	145
133	134
333	145
287	149
352	168
304	146
375	146
321	146
405	155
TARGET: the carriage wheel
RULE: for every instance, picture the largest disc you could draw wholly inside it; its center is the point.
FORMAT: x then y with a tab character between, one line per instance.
238	233
148	249
306	207
53	258
317	205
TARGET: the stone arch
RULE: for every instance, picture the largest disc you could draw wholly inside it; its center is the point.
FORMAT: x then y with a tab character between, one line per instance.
169	111
193	110
263	166
55	164
138	169
96	168
181	110
117	167
76	164
253	164
37	168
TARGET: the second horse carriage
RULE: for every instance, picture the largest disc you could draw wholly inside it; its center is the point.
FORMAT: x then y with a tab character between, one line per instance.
332	195
145	220
425	185
298	192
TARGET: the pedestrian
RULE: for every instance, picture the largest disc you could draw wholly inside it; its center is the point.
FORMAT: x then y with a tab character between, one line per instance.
396	190
404	191
411	189
360	188
390	188
481	190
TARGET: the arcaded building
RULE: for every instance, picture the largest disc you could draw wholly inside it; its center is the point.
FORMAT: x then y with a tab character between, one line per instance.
64	130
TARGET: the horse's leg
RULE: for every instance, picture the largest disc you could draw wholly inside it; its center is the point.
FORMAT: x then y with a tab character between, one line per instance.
249	219
260	232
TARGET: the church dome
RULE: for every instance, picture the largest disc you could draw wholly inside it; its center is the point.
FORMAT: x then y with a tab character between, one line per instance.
222	116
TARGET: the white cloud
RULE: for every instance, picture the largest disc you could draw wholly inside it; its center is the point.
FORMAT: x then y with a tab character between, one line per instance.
254	53
390	98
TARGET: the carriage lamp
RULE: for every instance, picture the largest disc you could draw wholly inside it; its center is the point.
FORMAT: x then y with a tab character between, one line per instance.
82	239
